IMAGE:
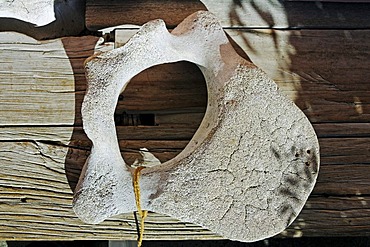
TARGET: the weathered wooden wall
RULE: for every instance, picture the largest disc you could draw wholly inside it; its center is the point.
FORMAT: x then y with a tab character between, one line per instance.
319	55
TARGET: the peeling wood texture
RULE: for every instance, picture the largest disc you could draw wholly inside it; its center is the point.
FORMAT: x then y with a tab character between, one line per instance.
37	85
43	147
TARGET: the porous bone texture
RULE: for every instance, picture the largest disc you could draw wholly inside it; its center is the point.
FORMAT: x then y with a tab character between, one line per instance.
248	170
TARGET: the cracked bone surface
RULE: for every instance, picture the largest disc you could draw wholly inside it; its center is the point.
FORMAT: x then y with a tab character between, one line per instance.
250	167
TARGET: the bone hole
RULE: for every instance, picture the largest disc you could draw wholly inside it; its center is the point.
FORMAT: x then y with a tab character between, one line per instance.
160	109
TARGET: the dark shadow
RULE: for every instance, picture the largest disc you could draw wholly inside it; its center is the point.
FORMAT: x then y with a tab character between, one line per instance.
235	20
78	49
69	21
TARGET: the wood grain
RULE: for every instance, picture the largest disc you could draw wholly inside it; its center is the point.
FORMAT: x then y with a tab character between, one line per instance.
175	130
250	14
37	85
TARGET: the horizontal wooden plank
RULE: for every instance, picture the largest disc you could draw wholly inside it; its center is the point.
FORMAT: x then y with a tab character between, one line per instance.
61	135
342	129
344	151
172	129
75	135
173	119
343	180
332	216
100	14
256	14
36	203
343	146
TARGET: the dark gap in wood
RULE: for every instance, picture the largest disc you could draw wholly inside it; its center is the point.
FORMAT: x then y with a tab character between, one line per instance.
147	119
354	136
125	119
339	196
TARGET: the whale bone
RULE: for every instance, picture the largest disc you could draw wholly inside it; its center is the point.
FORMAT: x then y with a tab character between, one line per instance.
248	170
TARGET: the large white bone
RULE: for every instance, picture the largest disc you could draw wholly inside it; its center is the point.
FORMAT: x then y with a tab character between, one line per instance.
248	170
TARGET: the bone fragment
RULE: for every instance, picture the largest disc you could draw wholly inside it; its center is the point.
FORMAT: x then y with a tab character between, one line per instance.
250	167
39	12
